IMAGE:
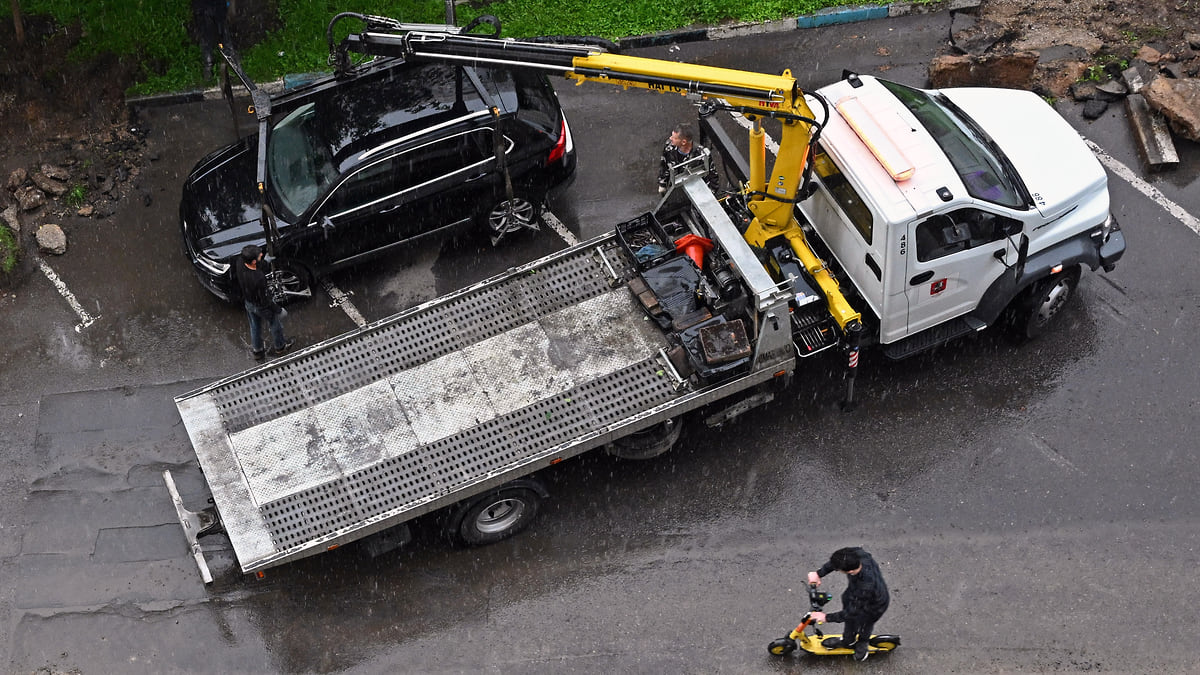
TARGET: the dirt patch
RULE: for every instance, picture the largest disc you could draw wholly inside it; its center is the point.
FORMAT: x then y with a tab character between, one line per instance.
71	114
1107	33
1122	27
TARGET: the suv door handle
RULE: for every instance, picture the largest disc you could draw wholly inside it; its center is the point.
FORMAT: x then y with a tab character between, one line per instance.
921	278
390	208
476	177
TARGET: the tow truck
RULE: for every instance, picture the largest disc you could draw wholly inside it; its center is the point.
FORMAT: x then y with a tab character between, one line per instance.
895	217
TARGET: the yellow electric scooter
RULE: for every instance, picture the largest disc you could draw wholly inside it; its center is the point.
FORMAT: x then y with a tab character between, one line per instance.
816	642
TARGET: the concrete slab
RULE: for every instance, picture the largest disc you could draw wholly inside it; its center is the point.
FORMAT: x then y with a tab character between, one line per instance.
1155	145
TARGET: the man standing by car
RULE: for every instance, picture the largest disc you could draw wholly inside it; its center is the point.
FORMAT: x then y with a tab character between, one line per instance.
863	602
260	306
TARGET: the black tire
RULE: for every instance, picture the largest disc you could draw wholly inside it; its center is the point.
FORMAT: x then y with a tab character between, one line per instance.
1044	302
495	516
885	643
647	443
782	647
290	281
512	215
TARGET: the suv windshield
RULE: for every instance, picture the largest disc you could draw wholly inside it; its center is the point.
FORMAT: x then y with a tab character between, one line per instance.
299	162
983	169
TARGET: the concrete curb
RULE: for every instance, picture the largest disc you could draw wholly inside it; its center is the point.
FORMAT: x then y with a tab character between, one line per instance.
826	17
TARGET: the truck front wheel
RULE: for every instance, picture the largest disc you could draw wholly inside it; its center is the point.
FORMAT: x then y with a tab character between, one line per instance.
495	516
1044	303
647	443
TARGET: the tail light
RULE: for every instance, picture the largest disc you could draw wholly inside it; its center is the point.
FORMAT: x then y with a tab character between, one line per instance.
560	147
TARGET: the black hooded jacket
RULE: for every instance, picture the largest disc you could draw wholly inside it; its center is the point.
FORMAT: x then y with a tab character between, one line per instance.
866	596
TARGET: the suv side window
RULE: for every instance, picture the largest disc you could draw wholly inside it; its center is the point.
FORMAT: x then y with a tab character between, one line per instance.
437	159
366	186
960	230
410	169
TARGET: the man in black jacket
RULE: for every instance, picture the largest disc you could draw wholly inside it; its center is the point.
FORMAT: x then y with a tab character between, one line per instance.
863	602
260	306
210	25
681	147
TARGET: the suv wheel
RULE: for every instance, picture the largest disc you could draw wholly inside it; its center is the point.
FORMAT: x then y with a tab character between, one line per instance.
289	281
511	215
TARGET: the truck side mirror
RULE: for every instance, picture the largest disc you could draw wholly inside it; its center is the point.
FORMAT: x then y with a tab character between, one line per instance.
1006	227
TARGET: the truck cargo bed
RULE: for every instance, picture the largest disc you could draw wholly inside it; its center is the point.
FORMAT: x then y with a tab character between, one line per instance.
369	429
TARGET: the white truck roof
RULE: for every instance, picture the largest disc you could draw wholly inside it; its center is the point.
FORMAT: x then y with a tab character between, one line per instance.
896	201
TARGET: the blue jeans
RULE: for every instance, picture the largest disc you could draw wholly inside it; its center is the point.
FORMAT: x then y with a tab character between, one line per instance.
257	316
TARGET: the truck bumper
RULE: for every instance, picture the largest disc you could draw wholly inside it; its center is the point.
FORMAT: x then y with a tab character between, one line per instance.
193	526
1112	250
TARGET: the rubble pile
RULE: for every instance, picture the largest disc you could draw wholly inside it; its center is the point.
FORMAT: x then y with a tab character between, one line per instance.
93	176
1159	84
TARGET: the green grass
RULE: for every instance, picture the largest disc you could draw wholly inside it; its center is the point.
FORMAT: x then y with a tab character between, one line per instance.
8	250
76	196
154	32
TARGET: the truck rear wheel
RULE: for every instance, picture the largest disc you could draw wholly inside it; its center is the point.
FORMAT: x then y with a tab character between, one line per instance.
1044	303
494	516
647	443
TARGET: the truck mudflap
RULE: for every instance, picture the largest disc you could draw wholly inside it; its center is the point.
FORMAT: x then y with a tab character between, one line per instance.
195	525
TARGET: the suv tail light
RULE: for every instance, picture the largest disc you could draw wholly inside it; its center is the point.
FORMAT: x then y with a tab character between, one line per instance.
560	148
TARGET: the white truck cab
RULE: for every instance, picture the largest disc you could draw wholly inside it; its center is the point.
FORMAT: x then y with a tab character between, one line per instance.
943	206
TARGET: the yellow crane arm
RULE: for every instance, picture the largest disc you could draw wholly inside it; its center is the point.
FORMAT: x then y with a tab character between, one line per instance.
772	196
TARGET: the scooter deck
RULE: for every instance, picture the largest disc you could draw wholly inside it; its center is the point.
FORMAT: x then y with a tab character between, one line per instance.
813	645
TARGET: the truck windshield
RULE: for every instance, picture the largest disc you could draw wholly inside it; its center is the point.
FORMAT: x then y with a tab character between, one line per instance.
299	163
983	168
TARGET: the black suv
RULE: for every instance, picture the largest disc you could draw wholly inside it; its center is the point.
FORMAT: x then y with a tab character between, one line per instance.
355	167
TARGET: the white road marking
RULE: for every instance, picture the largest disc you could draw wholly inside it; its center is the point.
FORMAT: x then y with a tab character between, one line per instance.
1127	174
342	299
561	230
85	319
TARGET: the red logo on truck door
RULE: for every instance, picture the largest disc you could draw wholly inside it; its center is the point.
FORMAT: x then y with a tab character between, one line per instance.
937	287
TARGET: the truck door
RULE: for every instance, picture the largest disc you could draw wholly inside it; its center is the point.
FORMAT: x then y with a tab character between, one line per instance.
958	255
850	228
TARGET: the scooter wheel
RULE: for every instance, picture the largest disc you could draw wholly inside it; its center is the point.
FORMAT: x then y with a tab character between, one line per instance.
782	647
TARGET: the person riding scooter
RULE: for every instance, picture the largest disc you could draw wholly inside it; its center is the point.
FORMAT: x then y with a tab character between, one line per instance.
863	602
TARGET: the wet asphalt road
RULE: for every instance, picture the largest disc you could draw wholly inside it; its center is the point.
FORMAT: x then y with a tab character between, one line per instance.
1033	508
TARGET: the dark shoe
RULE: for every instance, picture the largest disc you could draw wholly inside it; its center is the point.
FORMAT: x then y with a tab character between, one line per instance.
833	643
259	356
283	350
860	652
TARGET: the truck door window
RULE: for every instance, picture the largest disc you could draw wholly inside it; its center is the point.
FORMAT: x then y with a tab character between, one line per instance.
947	233
843	192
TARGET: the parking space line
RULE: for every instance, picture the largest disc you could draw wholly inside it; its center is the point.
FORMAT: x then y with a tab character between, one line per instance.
561	230
1145	188
85	319
342	299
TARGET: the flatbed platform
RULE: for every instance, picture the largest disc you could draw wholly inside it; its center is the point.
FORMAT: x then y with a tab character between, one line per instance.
367	430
